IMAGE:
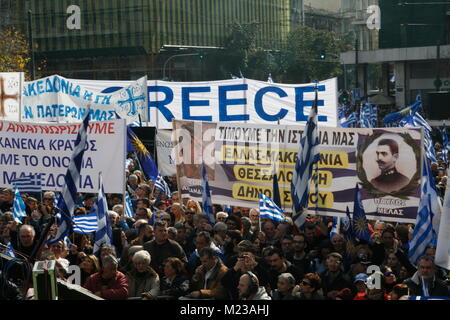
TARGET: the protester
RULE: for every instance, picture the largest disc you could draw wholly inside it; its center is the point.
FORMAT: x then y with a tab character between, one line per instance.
143	281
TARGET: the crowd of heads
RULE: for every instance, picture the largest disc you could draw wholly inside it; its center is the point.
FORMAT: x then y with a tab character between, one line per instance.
169	249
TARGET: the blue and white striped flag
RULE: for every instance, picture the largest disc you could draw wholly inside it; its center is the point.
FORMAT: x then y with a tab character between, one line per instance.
269	78
350	122
335	227
423	234
268	209
18	207
10	250
368	116
162	185
103	235
86	223
443	242
128	206
307	156
66	202
206	197
31	183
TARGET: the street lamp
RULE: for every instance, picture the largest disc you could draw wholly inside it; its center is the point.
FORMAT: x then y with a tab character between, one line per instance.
178	55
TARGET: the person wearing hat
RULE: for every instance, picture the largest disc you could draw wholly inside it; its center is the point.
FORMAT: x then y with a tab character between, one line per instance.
361	287
360	265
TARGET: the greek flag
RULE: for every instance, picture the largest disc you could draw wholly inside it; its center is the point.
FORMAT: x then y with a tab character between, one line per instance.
268	209
206	197
66	202
423	231
269	78
128	206
103	235
342	110
443	241
368	116
18	207
31	183
10	250
86	223
393	119
307	155
350	122
335	227
162	185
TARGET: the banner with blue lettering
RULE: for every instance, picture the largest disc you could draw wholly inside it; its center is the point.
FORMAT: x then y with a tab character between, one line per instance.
241	160
45	149
57	99
234	100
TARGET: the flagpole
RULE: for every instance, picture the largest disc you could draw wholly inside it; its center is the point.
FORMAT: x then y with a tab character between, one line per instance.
316	165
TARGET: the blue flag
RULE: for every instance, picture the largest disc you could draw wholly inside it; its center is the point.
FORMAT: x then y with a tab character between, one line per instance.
66	202
360	227
128	206
307	156
268	209
103	235
335	227
423	234
18	207
445	144
206	197
276	191
162	185
148	164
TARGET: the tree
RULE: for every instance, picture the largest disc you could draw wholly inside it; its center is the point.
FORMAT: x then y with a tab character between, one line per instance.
303	52
14	52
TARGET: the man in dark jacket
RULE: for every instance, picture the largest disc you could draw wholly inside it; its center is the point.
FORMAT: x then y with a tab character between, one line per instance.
162	248
424	282
280	265
333	279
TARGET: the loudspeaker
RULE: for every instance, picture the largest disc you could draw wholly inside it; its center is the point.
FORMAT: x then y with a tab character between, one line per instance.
438	107
44	280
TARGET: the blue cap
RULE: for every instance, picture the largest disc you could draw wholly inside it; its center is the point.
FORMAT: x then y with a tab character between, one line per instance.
361	277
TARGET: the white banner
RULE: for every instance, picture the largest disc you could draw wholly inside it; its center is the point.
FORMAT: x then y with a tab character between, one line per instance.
238	100
57	99
27	148
10	88
443	241
165	153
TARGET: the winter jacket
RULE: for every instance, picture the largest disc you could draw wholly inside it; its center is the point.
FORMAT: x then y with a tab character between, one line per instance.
338	283
149	284
176	288
438	287
214	288
117	287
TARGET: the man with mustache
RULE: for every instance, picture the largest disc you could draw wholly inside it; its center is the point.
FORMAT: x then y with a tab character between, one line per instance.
390	179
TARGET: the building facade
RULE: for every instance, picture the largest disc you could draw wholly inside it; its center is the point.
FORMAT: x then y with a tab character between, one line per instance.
122	39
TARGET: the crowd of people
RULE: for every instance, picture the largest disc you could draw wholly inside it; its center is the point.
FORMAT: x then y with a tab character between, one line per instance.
169	250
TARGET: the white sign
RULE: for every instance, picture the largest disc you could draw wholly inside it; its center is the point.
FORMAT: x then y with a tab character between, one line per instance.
165	153
27	148
10	89
236	100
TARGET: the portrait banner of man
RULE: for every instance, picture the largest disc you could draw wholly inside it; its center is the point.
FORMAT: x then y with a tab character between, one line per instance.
389	164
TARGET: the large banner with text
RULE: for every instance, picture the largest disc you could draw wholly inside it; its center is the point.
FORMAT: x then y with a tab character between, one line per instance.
28	148
234	100
241	160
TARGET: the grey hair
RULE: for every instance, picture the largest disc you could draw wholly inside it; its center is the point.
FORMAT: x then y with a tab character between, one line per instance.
29	227
49	194
142	256
118	206
134	249
110	260
222	213
220	226
288	277
380	222
113	213
132	176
